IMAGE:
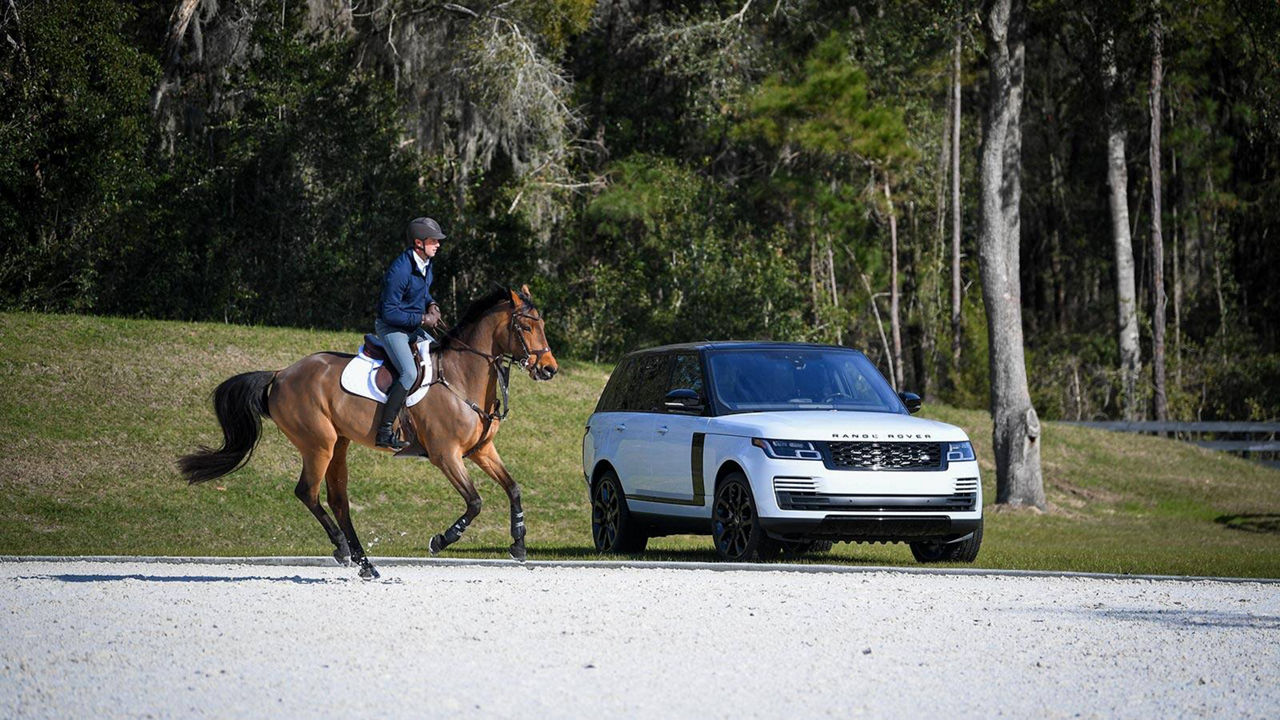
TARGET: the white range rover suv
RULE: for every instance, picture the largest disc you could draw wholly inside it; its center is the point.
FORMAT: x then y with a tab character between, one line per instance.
774	447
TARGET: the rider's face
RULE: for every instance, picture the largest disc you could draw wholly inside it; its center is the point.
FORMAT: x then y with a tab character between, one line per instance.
426	247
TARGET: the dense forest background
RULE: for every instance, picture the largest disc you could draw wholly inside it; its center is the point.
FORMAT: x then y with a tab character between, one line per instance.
665	171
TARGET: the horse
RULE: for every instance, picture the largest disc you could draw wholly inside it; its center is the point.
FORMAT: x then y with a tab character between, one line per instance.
456	420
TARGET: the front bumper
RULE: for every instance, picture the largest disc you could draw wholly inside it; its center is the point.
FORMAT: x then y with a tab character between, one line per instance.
804	500
876	528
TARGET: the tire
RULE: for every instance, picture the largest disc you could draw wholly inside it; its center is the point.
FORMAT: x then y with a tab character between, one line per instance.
612	528
735	526
965	551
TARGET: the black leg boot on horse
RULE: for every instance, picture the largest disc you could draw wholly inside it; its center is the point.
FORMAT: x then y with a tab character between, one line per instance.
387	437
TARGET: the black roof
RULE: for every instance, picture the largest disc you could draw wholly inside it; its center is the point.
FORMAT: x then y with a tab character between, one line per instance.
739	345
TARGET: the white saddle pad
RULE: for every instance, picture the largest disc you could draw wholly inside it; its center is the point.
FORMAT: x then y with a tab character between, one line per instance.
357	376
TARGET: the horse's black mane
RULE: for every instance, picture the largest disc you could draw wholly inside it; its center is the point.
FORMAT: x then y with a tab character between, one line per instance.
479	308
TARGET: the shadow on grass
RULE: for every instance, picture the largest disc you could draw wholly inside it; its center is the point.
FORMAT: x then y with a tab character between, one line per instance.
1255	523
295	579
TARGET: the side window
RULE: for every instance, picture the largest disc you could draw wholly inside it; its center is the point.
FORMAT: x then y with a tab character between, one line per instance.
687	374
648	383
614	395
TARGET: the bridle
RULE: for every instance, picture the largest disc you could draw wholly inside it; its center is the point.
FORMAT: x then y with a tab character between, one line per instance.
518	328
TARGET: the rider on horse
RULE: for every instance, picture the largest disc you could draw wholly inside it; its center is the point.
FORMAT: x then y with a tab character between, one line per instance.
404	307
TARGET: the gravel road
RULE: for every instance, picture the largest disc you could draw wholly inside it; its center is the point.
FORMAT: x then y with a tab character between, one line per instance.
133	639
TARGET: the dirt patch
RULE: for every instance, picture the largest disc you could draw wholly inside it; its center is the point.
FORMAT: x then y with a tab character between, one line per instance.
1078	497
1014	510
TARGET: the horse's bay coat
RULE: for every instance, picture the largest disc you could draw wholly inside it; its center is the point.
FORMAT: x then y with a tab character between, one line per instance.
456	421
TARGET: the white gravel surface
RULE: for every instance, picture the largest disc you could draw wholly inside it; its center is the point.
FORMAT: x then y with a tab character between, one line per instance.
104	640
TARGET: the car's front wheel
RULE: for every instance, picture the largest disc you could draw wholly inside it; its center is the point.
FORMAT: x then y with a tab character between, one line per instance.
735	526
611	525
964	551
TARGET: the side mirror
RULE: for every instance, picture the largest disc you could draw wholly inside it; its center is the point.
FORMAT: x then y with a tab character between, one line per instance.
912	401
683	400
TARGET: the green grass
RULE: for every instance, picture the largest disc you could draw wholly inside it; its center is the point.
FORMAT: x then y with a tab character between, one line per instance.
93	412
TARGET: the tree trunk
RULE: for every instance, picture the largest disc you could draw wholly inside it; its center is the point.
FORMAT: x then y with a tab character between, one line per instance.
1176	247
835	292
1157	238
875	309
1016	431
956	322
1061	218
814	295
1126	296
179	19
895	319
932	320
944	167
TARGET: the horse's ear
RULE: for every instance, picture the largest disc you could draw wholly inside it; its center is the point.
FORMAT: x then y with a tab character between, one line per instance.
525	289
515	298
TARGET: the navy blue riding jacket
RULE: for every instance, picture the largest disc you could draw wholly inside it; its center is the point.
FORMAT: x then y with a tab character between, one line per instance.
406	293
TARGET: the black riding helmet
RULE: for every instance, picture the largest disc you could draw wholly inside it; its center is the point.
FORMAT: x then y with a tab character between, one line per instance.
423	228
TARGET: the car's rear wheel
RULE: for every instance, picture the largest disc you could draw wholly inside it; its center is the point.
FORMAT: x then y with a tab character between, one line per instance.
735	526
612	527
964	551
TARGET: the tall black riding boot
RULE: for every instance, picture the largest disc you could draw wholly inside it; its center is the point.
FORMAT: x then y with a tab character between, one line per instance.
387	437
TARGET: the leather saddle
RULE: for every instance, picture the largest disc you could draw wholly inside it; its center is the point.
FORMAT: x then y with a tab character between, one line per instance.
374	350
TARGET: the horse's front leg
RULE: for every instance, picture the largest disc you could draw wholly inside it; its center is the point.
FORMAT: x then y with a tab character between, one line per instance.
456	472
489	461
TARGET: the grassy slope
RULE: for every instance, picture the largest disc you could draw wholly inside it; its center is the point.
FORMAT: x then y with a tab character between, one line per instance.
93	412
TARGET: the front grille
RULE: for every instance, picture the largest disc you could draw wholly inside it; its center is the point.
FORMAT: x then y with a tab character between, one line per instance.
960	501
885	455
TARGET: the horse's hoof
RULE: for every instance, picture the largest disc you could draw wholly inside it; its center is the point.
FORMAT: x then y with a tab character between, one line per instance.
519	553
436	544
369	572
343	559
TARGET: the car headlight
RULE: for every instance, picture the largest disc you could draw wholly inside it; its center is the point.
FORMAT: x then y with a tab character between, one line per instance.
788	449
959	451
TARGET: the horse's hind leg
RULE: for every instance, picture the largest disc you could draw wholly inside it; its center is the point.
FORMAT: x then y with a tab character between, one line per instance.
456	472
489	461
307	490
335	479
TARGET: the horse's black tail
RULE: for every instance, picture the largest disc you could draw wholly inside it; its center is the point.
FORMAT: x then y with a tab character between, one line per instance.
241	403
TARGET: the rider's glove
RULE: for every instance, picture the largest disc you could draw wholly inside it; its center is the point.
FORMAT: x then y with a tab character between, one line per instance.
432	317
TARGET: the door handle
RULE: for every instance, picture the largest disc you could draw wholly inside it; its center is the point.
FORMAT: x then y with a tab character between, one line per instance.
663	429
620	427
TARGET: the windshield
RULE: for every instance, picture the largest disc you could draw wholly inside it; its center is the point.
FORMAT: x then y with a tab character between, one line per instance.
752	380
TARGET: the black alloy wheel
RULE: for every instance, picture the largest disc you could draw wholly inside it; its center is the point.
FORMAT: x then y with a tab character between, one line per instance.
612	528
735	526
